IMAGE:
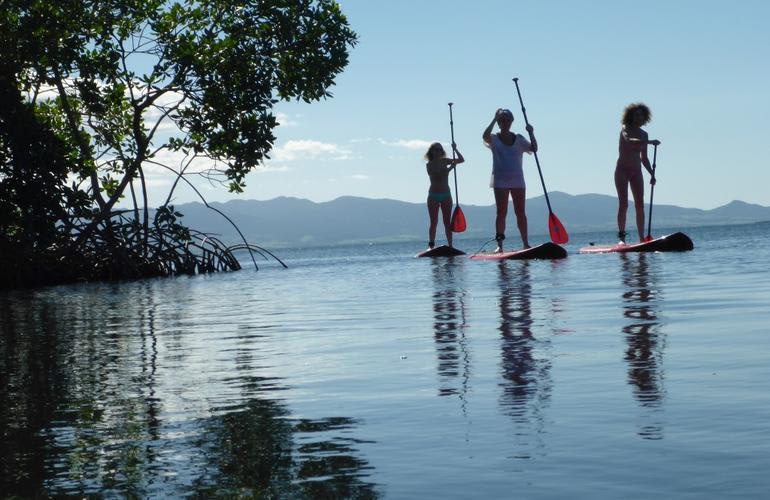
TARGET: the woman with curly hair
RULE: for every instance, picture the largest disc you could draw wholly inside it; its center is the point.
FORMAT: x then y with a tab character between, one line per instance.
632	154
439	194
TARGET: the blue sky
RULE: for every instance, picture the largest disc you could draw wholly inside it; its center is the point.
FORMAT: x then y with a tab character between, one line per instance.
703	67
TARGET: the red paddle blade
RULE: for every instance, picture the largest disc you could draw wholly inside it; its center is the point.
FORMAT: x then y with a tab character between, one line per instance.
558	233
648	238
458	220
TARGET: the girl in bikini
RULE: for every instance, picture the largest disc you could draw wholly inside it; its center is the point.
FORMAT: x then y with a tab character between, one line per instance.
632	154
439	194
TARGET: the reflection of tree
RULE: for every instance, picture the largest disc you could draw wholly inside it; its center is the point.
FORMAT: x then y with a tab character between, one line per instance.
85	397
88	406
449	328
30	390
526	382
645	341
260	452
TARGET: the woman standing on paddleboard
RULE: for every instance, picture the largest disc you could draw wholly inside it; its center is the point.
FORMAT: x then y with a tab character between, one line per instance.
439	194
632	154
508	149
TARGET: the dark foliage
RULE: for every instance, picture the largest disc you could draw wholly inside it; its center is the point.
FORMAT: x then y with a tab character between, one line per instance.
90	89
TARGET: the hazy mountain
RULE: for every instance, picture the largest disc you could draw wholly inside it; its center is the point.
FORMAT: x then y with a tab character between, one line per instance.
290	221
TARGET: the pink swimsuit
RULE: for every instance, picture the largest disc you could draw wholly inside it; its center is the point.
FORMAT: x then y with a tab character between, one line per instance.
629	158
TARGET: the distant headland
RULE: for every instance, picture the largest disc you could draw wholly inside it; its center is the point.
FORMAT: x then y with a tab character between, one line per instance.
286	221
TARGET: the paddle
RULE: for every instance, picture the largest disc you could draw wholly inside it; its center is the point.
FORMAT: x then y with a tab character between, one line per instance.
652	192
555	228
458	217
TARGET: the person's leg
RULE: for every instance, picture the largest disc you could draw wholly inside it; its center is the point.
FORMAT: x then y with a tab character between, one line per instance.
446	212
637	190
501	203
621	185
433	214
519	196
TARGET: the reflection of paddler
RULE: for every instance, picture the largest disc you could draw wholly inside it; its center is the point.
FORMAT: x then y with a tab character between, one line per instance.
449	319
523	373
643	337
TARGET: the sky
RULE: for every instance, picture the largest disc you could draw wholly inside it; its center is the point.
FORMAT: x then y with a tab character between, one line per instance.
703	67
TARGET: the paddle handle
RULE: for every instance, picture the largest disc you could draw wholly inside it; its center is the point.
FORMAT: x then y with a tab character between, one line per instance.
537	160
452	131
652	190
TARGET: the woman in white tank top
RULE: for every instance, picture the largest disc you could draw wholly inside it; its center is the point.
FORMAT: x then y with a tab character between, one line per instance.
507	173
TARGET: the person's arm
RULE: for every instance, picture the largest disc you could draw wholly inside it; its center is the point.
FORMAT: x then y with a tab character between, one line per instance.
646	159
637	140
532	139
646	163
487	135
456	161
654	142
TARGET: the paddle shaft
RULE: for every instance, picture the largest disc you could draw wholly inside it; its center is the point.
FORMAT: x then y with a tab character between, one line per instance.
652	190
452	130
537	161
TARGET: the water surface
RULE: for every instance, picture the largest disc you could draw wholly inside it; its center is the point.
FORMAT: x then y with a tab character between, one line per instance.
363	372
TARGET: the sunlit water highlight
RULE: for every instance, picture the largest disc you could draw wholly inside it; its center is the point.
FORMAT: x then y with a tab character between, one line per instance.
363	372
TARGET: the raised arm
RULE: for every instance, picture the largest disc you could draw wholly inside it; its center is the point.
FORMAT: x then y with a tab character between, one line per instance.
456	161
532	139
487	135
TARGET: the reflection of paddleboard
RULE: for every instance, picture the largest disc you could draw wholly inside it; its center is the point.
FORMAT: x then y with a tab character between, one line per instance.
441	251
677	242
545	251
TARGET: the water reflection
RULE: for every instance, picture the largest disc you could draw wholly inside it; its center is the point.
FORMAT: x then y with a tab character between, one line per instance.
526	385
645	342
139	390
449	328
260	451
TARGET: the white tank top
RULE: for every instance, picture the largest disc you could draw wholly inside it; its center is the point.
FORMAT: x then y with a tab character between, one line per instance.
507	169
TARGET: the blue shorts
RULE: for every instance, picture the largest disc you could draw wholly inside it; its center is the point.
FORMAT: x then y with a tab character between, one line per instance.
439	197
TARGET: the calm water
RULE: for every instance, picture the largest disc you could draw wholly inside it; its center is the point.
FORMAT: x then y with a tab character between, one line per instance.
363	372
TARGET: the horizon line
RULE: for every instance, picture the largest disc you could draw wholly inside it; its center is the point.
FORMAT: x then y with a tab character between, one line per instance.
464	204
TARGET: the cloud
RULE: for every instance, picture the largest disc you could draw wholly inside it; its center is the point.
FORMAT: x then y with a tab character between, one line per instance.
155	112
175	159
360	177
310	150
415	144
272	167
285	120
159	182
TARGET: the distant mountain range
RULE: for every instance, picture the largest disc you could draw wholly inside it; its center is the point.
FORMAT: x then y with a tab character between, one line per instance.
283	221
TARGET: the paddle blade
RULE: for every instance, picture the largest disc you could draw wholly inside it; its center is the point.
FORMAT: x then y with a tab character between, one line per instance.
558	233
648	238
458	220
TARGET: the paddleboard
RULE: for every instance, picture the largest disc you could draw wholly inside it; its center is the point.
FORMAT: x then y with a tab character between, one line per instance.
677	242
441	251
545	251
